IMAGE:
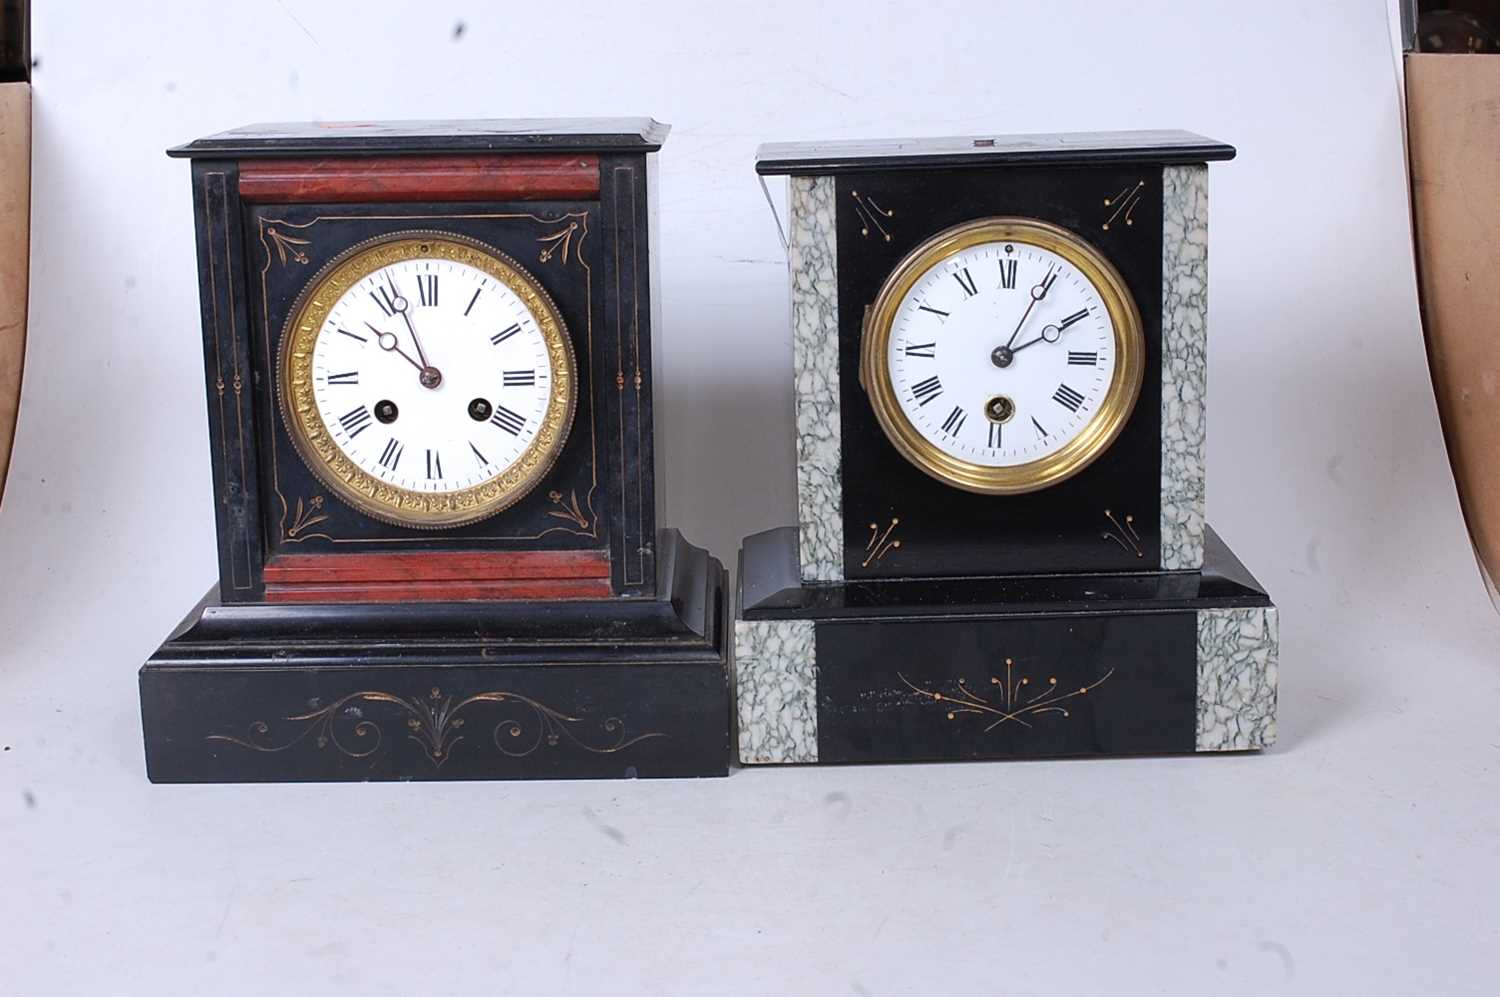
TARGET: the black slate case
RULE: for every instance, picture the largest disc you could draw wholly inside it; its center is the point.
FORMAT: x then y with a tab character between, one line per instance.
633	685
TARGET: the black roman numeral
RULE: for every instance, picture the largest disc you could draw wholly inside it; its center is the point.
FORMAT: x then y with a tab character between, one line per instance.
926	391
966	281
1008	274
995	435
508	420
1067	398
434	465
504	334
346	332
386	299
1080	358
1077	316
471	303
936	311
348	377
483	460
391	455
955	421
518	378
921	350
355	422
1041	431
427	285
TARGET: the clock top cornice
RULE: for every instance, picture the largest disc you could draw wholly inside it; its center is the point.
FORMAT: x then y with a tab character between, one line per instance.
359	138
1058	149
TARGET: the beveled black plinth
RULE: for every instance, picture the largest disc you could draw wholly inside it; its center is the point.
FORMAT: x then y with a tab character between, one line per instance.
483	690
1002	667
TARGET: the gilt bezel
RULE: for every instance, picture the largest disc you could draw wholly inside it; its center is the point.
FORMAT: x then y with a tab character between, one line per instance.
328	462
1097	434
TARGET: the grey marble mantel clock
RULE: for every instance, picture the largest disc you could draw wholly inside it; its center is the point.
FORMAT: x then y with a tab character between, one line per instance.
1001	549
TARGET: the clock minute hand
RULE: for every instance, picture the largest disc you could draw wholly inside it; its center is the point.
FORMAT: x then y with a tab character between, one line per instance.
403	308
1038	292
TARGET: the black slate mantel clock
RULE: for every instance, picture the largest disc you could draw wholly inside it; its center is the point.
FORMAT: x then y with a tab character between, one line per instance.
429	358
1001	549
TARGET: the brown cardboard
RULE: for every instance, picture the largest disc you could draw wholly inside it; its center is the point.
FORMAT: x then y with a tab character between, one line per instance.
1453	134
15	243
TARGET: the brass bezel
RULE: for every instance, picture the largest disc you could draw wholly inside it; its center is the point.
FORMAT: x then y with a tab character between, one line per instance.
1083	449
357	487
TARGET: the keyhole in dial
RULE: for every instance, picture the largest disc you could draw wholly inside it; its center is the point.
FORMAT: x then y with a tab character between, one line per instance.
999	409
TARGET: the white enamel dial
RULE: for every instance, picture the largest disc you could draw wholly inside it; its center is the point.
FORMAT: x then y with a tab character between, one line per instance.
431	375
1001	354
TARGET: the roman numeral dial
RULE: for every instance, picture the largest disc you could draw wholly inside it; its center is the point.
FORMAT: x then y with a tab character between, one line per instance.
1008	273
427	289
428	369
995	346
966	281
926	390
1069	398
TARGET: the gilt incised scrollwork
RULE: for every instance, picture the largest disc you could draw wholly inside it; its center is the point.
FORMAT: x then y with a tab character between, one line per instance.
568	509
872	217
286	246
306	516
1124	204
1013	699
1124	534
881	542
559	243
435	722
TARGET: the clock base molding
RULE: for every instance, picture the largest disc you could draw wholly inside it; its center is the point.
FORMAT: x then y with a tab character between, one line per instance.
584	688
1001	667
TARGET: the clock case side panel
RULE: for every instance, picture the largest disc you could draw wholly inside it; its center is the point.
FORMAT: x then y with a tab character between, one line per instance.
628	336
1184	364
812	265
1104	519
570	510
230	377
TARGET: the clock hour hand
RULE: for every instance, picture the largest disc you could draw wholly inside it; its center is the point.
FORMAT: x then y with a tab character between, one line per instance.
1052	333
429	376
